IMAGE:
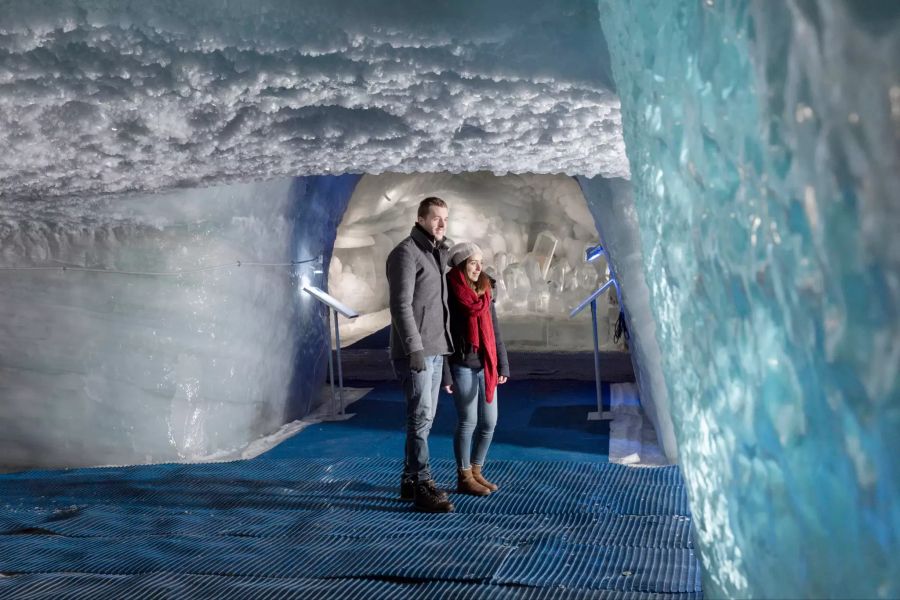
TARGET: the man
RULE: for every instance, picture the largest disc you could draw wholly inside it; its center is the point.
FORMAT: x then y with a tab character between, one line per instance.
420	337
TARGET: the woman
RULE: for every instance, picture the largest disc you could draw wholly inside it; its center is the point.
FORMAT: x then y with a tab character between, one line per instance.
477	365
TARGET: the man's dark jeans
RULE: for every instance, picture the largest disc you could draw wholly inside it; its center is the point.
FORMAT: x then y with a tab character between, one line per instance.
421	390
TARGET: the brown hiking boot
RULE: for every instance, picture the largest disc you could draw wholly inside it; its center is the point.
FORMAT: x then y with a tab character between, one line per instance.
476	474
466	484
427	501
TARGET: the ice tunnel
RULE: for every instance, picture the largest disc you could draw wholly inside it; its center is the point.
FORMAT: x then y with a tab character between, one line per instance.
173	173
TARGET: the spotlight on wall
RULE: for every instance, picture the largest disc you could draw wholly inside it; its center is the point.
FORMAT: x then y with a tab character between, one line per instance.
593	253
310	271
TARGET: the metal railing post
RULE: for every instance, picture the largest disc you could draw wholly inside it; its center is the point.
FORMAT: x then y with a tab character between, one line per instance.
599	414
333	305
596	358
328	312
337	349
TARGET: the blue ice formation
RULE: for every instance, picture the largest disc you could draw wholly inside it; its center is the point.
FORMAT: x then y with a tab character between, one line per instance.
763	141
321	201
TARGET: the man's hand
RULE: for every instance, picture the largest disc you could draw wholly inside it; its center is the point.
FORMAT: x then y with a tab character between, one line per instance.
502	379
449	388
417	361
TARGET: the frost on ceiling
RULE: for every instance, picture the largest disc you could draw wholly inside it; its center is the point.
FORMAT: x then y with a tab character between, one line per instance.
115	96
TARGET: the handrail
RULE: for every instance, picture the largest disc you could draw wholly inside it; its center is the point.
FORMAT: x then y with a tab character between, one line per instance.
334	306
593	297
590	255
330	301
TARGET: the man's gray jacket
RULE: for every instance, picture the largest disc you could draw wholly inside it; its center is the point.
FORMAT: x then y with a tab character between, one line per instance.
420	319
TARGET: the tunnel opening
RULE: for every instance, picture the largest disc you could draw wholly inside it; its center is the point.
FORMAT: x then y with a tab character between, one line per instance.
534	231
514	219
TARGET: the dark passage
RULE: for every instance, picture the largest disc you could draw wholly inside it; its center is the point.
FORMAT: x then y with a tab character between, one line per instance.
319	517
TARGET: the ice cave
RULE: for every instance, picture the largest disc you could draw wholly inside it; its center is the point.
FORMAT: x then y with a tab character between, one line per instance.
176	173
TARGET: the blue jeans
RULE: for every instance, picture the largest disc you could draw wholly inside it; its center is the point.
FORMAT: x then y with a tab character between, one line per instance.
474	416
421	390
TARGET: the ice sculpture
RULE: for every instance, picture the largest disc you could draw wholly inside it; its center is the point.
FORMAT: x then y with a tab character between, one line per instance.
544	247
763	142
531	266
557	275
518	288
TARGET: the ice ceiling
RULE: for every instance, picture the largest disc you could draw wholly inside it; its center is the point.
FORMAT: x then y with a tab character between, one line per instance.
114	96
758	231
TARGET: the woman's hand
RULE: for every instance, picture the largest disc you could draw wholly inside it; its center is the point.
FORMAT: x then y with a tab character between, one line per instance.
502	379
449	389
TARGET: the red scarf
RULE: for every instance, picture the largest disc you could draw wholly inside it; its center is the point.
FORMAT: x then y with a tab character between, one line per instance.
478	326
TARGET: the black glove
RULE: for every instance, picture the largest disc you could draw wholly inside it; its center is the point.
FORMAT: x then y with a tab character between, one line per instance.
417	361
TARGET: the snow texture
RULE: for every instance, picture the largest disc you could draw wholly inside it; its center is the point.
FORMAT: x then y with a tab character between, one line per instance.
110	96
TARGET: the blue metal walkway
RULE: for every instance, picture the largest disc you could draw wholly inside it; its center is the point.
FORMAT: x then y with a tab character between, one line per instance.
318	517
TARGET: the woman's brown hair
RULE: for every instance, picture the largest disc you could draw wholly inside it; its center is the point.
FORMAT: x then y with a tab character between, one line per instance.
480	286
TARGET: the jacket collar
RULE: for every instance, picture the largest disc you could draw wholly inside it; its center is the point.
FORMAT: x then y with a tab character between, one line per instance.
426	240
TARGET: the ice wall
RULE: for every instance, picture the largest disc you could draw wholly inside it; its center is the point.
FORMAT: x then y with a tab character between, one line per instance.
321	200
102	96
763	141
612	204
131	367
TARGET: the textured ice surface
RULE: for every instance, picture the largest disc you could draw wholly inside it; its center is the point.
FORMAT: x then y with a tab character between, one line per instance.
612	203
321	200
100	368
119	95
632	436
507	216
763	140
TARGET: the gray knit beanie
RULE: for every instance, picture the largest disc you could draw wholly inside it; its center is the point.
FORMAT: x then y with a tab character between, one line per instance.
461	251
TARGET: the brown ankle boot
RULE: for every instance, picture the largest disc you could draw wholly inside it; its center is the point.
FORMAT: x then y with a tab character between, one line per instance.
466	484
476	475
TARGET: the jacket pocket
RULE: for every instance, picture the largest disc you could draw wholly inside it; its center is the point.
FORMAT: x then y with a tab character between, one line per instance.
419	315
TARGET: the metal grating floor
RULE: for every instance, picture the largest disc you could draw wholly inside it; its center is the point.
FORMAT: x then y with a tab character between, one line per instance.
334	528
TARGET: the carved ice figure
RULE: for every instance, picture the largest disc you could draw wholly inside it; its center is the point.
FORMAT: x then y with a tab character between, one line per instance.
518	286
533	270
544	247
